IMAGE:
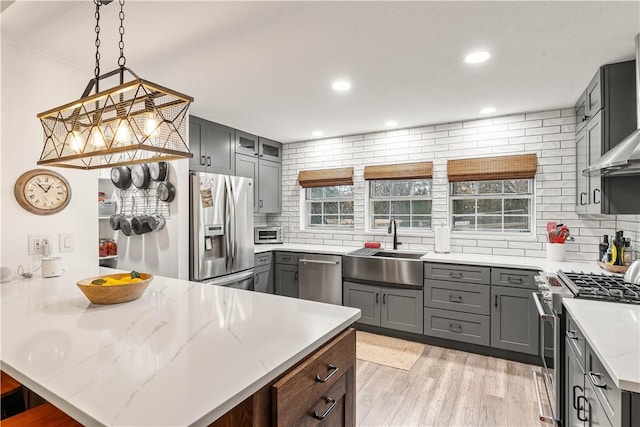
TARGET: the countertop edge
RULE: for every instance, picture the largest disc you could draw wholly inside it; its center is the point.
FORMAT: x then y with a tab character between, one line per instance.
622	384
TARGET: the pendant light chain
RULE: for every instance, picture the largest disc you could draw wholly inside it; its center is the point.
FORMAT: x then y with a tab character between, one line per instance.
96	71
121	60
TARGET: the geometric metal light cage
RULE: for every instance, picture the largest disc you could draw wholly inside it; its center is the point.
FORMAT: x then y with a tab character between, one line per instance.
134	122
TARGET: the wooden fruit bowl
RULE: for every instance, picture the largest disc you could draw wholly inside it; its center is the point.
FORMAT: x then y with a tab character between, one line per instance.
114	294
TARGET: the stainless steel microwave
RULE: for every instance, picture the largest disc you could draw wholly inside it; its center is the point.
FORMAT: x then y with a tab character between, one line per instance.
268	235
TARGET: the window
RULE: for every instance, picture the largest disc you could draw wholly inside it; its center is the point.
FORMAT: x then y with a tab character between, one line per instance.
408	201
497	206
329	207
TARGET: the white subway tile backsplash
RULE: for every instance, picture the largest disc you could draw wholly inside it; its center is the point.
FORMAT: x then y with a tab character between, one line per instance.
549	134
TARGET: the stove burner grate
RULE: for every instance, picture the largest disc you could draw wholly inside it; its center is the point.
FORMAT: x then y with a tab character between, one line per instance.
602	287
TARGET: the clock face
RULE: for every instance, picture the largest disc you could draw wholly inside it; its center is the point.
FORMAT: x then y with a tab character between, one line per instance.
42	192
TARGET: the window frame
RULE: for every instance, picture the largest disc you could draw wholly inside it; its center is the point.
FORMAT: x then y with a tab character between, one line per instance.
502	196
305	214
368	205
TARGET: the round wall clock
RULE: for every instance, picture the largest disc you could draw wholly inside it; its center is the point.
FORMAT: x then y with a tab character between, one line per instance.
42	191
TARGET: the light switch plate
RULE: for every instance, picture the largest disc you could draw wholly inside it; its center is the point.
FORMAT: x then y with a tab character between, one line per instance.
66	242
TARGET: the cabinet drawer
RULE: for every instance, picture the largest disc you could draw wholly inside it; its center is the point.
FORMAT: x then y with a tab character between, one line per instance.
262	259
513	277
302	388
576	340
471	328
457	273
465	297
608	394
286	258
330	407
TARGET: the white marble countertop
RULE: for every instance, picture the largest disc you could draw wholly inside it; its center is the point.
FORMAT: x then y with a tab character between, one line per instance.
613	332
183	354
541	264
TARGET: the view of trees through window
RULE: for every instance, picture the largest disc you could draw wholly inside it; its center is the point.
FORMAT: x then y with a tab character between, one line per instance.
330	207
502	205
407	201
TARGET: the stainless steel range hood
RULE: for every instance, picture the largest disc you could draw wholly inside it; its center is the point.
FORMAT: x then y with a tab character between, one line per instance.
624	158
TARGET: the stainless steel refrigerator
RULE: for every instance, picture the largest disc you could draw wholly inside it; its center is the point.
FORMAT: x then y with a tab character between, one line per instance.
221	229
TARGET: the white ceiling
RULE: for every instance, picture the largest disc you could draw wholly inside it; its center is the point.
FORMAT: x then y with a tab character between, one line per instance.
267	67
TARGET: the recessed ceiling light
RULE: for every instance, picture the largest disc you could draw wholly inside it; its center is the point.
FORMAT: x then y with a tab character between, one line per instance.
317	133
341	85
391	123
477	57
488	110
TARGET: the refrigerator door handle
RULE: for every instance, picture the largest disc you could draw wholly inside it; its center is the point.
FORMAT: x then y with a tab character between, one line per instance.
227	226
234	237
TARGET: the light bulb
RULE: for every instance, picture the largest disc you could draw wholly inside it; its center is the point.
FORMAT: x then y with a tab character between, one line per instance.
150	126
122	134
98	139
76	141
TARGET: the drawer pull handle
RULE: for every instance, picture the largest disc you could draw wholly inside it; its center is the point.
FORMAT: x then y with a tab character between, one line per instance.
515	280
581	409
328	411
333	369
575	404
572	335
454	327
595	380
377	298
455	298
455	275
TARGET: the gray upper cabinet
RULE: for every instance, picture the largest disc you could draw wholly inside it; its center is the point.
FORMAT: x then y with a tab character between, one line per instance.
393	308
260	159
606	114
514	320
212	145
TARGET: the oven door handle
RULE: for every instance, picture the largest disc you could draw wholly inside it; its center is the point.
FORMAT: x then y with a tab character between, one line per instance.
541	313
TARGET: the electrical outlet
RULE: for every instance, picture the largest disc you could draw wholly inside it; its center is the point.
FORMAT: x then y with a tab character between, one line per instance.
35	243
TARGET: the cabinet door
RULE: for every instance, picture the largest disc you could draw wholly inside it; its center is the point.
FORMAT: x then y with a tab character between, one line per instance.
595	412
574	388
246	144
594	95
270	150
514	320
287	280
582	182
402	309
270	188
218	146
581	112
247	166
196	131
262	280
366	298
594	144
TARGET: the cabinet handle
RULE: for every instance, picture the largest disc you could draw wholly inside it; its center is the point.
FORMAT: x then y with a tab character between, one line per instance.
332	371
328	411
255	154
572	335
594	196
295	277
286	258
454	327
203	160
455	298
377	298
455	275
261	204
582	409
261	155
585	118
582	202
208	160
257	278
515	280
595	380
384	298
495	301
575	404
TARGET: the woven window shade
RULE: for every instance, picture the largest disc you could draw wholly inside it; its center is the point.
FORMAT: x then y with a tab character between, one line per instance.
399	171
325	177
489	168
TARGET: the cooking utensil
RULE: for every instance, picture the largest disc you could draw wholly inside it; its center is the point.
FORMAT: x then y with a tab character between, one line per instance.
121	177
633	273
158	171
551	228
140	176
166	192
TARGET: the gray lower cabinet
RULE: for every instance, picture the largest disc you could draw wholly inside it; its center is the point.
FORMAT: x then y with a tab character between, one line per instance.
263	279
392	308
574	395
457	326
286	280
514	320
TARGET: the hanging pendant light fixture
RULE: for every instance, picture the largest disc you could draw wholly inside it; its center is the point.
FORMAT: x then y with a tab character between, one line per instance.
134	122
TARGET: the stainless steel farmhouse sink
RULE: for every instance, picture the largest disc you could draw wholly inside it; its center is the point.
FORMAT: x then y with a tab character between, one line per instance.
384	267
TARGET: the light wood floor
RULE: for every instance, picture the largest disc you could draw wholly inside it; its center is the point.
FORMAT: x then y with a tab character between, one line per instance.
447	388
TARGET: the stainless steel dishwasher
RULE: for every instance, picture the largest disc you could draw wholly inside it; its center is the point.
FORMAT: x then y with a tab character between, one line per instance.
320	278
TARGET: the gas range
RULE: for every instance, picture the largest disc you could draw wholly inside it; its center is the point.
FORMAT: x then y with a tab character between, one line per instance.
601	287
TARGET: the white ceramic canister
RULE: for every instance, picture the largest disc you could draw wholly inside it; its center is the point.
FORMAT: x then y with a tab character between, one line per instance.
52	267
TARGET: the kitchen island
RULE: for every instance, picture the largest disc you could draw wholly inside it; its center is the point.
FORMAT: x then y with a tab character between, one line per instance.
183	354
